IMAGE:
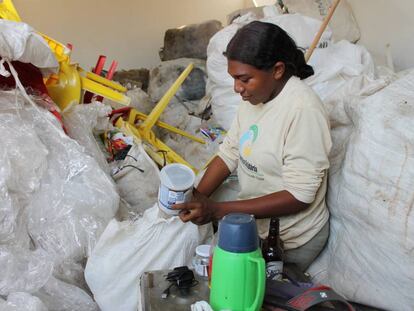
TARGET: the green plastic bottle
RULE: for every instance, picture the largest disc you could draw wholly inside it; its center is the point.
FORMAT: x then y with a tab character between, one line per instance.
238	272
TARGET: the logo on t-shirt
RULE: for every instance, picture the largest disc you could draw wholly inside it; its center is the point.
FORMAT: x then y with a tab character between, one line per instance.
247	140
245	149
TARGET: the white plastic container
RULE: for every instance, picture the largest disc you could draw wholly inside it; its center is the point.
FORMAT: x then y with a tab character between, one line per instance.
201	260
177	181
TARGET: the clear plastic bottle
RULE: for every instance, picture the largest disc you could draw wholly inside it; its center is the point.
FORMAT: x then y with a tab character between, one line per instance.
201	260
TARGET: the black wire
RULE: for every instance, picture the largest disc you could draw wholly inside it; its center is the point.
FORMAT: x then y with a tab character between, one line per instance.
182	278
129	165
131	157
136	167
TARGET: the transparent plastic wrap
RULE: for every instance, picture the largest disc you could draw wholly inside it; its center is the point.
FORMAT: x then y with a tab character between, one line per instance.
55	202
8	205
76	198
21	301
23	270
81	121
61	296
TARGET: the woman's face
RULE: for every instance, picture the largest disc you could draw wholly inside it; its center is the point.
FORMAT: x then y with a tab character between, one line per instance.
254	85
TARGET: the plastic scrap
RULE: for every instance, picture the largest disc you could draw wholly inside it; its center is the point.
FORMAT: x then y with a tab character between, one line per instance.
83	122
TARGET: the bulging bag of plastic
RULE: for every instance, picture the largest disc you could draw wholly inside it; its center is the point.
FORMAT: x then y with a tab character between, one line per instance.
369	257
127	249
20	42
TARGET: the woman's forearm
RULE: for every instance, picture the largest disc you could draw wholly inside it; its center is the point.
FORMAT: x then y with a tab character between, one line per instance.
216	173
272	205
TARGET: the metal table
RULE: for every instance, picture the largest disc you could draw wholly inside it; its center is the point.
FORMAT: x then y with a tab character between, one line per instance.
153	284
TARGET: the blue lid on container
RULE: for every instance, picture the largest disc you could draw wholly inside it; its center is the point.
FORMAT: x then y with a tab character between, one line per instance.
238	233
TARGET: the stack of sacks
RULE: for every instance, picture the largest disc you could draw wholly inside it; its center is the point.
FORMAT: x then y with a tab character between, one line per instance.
220	84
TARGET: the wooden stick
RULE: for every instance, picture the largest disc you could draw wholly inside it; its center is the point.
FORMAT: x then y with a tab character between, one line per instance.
321	30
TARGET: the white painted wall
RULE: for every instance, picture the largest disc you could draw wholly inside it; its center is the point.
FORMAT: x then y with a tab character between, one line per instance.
130	31
387	21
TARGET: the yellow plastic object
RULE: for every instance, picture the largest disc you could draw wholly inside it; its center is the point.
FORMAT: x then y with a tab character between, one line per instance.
60	50
8	11
65	88
144	131
136	115
170	155
97	78
152	118
100	89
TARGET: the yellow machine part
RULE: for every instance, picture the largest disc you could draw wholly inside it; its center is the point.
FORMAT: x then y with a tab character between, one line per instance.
65	88
8	11
144	131
170	155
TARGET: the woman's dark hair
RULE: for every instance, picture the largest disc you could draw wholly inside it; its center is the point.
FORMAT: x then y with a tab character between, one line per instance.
262	44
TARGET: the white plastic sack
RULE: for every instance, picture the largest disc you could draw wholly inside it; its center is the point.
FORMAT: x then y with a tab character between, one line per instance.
369	256
336	64
20	42
127	249
220	84
137	179
343	24
20	301
333	66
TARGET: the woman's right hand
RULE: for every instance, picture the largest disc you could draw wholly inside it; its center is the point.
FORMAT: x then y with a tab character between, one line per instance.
200	211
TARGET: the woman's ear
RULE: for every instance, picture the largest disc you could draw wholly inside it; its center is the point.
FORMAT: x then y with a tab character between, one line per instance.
278	70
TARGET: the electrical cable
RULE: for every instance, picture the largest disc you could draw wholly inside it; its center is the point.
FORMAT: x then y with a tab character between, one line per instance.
182	278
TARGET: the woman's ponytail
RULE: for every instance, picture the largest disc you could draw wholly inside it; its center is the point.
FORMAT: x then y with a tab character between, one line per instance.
303	70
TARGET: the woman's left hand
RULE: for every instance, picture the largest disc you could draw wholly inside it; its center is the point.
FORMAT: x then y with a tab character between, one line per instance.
200	211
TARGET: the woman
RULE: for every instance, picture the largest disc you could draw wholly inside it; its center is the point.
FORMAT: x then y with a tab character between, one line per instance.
279	142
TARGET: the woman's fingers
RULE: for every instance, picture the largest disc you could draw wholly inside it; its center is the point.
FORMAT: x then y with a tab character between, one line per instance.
197	212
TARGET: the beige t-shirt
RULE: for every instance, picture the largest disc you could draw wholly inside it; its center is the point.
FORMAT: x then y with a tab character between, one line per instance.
283	145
